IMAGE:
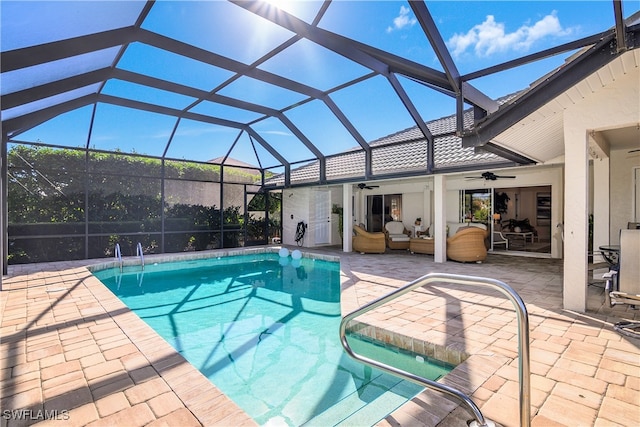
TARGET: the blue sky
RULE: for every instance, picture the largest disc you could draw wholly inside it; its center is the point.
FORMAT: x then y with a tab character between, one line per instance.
478	34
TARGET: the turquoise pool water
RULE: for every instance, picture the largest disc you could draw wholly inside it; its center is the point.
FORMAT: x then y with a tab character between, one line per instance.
265	332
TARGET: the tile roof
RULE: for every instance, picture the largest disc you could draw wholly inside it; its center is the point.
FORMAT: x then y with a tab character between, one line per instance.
400	153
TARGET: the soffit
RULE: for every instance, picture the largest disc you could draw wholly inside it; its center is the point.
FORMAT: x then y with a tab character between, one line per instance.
540	135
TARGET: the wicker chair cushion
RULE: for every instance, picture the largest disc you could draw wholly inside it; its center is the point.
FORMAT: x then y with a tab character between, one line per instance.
395	231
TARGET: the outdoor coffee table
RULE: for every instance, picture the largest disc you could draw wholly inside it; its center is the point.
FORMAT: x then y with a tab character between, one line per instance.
421	246
524	235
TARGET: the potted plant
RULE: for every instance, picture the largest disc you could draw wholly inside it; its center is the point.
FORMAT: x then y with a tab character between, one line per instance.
418	221
501	203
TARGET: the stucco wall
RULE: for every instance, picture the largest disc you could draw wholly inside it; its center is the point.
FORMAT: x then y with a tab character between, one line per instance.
621	191
295	208
614	105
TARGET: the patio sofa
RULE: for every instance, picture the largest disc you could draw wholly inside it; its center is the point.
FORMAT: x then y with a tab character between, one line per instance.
468	245
366	242
454	227
422	245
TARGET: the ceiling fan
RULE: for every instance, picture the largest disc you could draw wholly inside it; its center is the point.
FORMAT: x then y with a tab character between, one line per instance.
362	186
489	176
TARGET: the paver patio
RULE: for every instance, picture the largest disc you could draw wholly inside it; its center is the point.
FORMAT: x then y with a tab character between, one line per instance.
71	348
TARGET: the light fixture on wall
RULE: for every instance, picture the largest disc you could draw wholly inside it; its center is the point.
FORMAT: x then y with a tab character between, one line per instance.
496	218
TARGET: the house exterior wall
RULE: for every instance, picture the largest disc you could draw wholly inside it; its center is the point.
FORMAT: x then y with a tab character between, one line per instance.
614	105
295	208
413	208
452	202
621	191
599	200
301	204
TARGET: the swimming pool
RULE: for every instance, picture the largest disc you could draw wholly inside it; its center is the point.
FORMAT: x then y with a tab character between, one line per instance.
265	332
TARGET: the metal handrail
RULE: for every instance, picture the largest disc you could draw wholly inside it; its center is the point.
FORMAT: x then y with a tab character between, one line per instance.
140	254
118	254
523	341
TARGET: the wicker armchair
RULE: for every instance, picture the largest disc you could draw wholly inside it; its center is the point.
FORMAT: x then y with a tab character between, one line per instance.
397	235
369	243
467	245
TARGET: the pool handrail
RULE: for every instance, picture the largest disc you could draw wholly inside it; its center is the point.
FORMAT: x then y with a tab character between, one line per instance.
118	254
140	254
524	369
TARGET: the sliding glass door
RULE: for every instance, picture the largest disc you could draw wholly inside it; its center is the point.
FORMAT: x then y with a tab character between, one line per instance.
475	206
382	208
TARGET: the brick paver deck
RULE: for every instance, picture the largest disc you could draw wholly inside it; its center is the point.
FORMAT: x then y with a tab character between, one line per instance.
72	349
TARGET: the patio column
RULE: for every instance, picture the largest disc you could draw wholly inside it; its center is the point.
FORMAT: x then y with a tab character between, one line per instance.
347	217
426	206
576	209
440	218
601	203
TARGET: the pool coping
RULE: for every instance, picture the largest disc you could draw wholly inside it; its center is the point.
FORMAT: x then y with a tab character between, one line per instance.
201	255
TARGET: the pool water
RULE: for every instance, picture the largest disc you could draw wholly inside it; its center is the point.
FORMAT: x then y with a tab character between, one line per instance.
264	330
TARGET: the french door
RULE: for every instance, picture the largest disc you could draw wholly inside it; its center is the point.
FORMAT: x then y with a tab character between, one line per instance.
323	218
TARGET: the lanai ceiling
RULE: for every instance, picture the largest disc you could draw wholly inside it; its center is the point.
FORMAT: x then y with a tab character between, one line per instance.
259	80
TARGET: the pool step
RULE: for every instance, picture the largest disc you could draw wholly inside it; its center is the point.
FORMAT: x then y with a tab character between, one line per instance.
369	404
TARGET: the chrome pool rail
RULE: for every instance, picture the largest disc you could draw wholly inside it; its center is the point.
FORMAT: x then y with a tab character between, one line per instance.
140	254
118	254
524	368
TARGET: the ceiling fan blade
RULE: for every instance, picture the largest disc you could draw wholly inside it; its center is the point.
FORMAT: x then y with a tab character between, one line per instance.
488	176
364	186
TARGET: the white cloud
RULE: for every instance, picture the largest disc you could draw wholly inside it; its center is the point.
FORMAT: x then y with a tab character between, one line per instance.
199	131
490	37
404	19
277	132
